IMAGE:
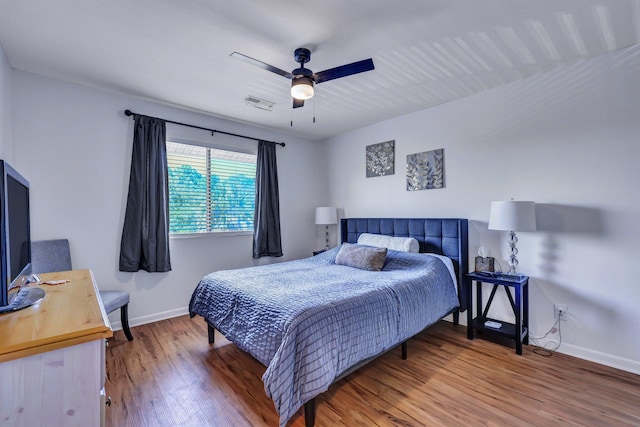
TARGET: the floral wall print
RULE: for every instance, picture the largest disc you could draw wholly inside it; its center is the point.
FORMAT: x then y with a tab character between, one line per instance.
381	159
425	170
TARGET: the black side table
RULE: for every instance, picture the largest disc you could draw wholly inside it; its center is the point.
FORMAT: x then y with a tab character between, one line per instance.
518	331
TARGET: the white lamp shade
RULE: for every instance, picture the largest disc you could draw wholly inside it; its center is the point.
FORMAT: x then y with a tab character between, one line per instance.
513	216
302	88
326	215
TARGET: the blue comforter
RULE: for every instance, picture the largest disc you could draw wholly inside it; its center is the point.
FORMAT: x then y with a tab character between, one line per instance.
310	320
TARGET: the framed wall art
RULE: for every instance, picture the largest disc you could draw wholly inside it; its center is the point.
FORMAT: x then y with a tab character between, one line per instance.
425	170
380	159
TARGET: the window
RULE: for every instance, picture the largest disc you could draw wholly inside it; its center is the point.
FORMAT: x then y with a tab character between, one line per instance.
210	190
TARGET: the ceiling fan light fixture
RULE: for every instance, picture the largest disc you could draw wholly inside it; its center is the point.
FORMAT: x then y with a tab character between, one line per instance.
302	88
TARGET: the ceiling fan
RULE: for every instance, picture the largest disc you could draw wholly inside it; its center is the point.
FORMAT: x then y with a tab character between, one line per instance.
303	79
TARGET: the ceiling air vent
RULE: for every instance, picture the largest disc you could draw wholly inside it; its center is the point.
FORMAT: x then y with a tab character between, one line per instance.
259	103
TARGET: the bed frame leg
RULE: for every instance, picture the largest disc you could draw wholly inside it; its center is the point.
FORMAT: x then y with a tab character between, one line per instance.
404	350
211	333
456	317
310	413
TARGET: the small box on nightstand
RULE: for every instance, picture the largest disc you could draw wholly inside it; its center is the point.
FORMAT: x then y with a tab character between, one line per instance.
485	263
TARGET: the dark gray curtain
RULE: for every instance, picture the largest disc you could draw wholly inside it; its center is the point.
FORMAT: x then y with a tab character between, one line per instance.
266	220
145	235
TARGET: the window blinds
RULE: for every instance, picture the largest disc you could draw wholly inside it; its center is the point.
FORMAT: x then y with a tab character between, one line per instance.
210	190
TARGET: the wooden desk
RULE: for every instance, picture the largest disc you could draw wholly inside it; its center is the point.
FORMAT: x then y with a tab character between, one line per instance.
52	365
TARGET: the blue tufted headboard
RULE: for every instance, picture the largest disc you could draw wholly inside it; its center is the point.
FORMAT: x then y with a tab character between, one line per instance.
443	236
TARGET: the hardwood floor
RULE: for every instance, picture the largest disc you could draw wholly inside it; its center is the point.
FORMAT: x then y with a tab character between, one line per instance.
170	376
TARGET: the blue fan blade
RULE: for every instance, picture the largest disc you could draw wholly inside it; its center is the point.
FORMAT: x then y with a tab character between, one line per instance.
344	70
261	64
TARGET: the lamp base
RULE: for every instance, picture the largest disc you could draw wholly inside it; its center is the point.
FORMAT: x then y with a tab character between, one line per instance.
326	237
513	259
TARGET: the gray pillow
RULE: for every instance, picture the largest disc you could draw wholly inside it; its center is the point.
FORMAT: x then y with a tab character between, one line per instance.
362	257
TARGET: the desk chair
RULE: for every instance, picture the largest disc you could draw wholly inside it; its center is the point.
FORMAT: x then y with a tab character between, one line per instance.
54	255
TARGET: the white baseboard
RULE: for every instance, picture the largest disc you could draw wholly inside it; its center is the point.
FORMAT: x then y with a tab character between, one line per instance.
591	355
569	349
601	358
156	317
610	360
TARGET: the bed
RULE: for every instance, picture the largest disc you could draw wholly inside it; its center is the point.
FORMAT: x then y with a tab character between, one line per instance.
312	321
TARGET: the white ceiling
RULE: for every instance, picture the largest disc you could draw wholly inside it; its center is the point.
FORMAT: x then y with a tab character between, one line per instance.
426	52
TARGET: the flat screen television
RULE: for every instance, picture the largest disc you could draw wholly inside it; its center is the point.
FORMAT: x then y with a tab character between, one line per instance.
15	232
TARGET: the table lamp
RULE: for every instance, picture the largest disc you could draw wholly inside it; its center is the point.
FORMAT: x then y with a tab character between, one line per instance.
326	216
513	216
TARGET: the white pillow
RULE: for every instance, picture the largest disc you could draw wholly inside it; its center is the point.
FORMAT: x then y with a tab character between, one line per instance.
403	244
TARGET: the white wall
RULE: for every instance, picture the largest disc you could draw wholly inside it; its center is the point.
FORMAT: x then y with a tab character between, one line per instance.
568	140
6	121
74	143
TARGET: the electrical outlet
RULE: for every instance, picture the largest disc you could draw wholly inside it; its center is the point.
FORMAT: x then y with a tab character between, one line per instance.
560	312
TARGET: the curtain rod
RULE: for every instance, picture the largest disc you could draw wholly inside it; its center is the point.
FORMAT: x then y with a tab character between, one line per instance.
213	131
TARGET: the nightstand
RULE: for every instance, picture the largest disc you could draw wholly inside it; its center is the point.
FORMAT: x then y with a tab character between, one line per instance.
518	331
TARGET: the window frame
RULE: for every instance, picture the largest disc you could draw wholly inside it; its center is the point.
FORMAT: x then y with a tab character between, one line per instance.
242	150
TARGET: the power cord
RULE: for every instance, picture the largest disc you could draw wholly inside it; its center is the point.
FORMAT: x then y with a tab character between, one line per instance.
545	350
